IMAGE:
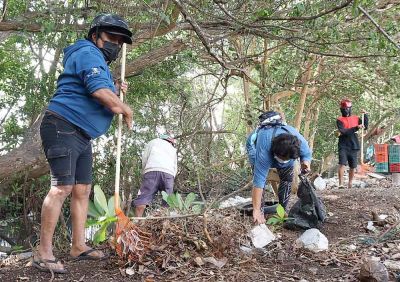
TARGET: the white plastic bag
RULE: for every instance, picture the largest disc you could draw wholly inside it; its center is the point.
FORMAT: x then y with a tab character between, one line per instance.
320	183
261	236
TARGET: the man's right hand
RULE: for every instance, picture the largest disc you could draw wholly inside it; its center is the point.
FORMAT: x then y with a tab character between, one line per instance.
258	217
108	98
305	167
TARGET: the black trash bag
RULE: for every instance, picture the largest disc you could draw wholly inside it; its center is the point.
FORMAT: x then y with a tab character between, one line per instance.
309	211
269	208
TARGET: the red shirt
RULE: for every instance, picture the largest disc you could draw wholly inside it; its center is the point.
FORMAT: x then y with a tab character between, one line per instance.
348	126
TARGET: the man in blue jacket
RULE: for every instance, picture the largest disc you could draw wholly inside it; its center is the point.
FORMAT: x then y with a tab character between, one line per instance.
277	146
81	109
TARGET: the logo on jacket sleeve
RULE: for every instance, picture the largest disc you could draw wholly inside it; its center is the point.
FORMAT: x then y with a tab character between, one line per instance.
93	72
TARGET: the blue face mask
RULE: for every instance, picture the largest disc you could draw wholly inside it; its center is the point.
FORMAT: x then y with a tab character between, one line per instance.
279	160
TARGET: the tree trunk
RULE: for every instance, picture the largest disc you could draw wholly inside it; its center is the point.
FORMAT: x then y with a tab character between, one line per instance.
303	94
314	128
246	93
306	131
27	160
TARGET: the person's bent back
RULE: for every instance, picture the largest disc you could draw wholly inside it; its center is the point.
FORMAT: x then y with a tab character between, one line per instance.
277	147
159	168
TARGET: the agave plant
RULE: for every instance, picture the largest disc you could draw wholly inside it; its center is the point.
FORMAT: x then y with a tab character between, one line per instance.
176	202
102	214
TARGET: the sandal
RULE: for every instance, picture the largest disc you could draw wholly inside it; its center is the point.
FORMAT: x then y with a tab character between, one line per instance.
86	256
43	265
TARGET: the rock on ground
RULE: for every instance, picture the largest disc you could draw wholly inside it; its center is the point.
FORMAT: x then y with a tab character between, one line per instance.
313	240
372	270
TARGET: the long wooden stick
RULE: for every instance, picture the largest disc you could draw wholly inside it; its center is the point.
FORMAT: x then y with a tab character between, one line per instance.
119	135
362	139
168	217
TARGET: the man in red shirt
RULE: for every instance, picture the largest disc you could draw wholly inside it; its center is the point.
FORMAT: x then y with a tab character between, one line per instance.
348	144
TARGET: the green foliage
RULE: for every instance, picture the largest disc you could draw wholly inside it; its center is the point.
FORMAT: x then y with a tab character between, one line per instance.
102	214
17	248
279	218
176	202
263	13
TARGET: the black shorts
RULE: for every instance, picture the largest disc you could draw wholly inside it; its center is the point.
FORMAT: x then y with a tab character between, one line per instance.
348	156
68	150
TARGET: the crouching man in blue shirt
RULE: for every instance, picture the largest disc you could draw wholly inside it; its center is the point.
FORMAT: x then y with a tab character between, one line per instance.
81	109
277	146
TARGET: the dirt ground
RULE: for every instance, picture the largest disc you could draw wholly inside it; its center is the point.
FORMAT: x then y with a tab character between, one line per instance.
349	211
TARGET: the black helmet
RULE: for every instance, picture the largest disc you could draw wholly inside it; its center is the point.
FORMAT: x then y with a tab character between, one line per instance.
112	24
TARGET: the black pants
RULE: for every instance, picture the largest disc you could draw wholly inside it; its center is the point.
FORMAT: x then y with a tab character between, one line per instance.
348	156
285	186
68	151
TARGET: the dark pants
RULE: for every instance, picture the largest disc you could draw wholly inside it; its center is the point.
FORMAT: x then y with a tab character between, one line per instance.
152	182
68	151
348	156
285	185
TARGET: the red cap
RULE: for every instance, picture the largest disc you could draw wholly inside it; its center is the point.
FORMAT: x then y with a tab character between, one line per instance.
345	103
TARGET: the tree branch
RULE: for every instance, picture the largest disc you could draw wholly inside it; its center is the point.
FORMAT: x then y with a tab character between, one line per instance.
199	33
337	8
279	95
203	132
153	57
335	55
35	27
379	27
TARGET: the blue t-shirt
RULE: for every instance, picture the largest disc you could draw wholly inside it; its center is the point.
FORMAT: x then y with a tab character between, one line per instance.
85	71
265	160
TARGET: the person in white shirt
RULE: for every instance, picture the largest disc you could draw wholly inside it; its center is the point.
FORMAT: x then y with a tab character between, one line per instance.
159	167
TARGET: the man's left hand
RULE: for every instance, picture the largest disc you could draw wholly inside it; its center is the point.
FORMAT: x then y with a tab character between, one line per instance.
120	87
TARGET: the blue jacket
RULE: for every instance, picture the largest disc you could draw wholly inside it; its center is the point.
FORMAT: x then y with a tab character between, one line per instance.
251	146
85	71
264	158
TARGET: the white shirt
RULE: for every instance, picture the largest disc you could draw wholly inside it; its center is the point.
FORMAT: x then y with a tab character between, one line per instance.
159	155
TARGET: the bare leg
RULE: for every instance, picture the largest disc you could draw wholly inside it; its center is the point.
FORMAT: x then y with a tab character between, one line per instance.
79	208
50	212
351	176
139	210
341	173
